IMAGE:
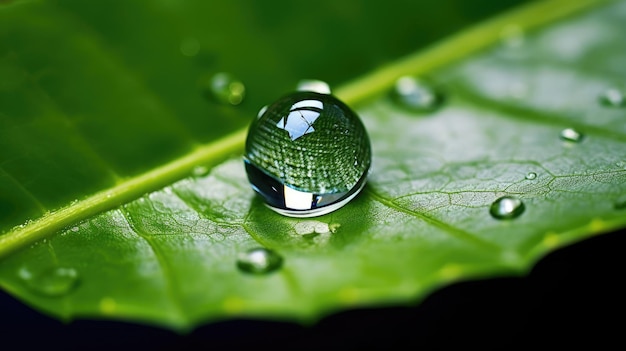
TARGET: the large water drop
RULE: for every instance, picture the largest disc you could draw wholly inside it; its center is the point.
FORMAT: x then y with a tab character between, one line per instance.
307	155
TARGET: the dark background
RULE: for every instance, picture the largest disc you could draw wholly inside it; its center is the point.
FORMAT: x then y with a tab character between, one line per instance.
572	297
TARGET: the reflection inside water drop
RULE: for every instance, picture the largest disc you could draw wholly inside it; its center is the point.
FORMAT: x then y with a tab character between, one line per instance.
259	261
506	207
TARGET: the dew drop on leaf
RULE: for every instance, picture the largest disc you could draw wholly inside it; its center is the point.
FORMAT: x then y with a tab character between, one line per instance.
54	282
571	135
613	98
531	175
225	88
259	261
317	86
309	154
506	207
416	94
311	227
200	171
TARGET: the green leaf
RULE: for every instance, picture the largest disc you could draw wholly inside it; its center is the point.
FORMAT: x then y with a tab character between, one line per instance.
510	87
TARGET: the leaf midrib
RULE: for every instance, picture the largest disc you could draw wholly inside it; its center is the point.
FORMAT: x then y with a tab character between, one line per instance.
430	59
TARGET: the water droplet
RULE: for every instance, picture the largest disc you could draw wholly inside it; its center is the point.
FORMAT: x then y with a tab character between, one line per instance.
300	155
54	282
531	175
190	47
416	94
226	89
259	261
311	227
200	171
512	36
572	135
507	207
613	98
74	229
313	85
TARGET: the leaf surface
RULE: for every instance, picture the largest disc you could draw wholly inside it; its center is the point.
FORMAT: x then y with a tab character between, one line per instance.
510	87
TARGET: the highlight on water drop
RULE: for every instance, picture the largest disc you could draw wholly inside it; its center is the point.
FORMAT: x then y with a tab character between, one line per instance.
531	175
506	207
316	86
259	261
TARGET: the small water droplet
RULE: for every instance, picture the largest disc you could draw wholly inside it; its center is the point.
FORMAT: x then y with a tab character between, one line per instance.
531	175
316	86
311	227
259	261
507	207
416	94
613	98
74	229
190	46
572	135
54	282
200	171
512	36
226	89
